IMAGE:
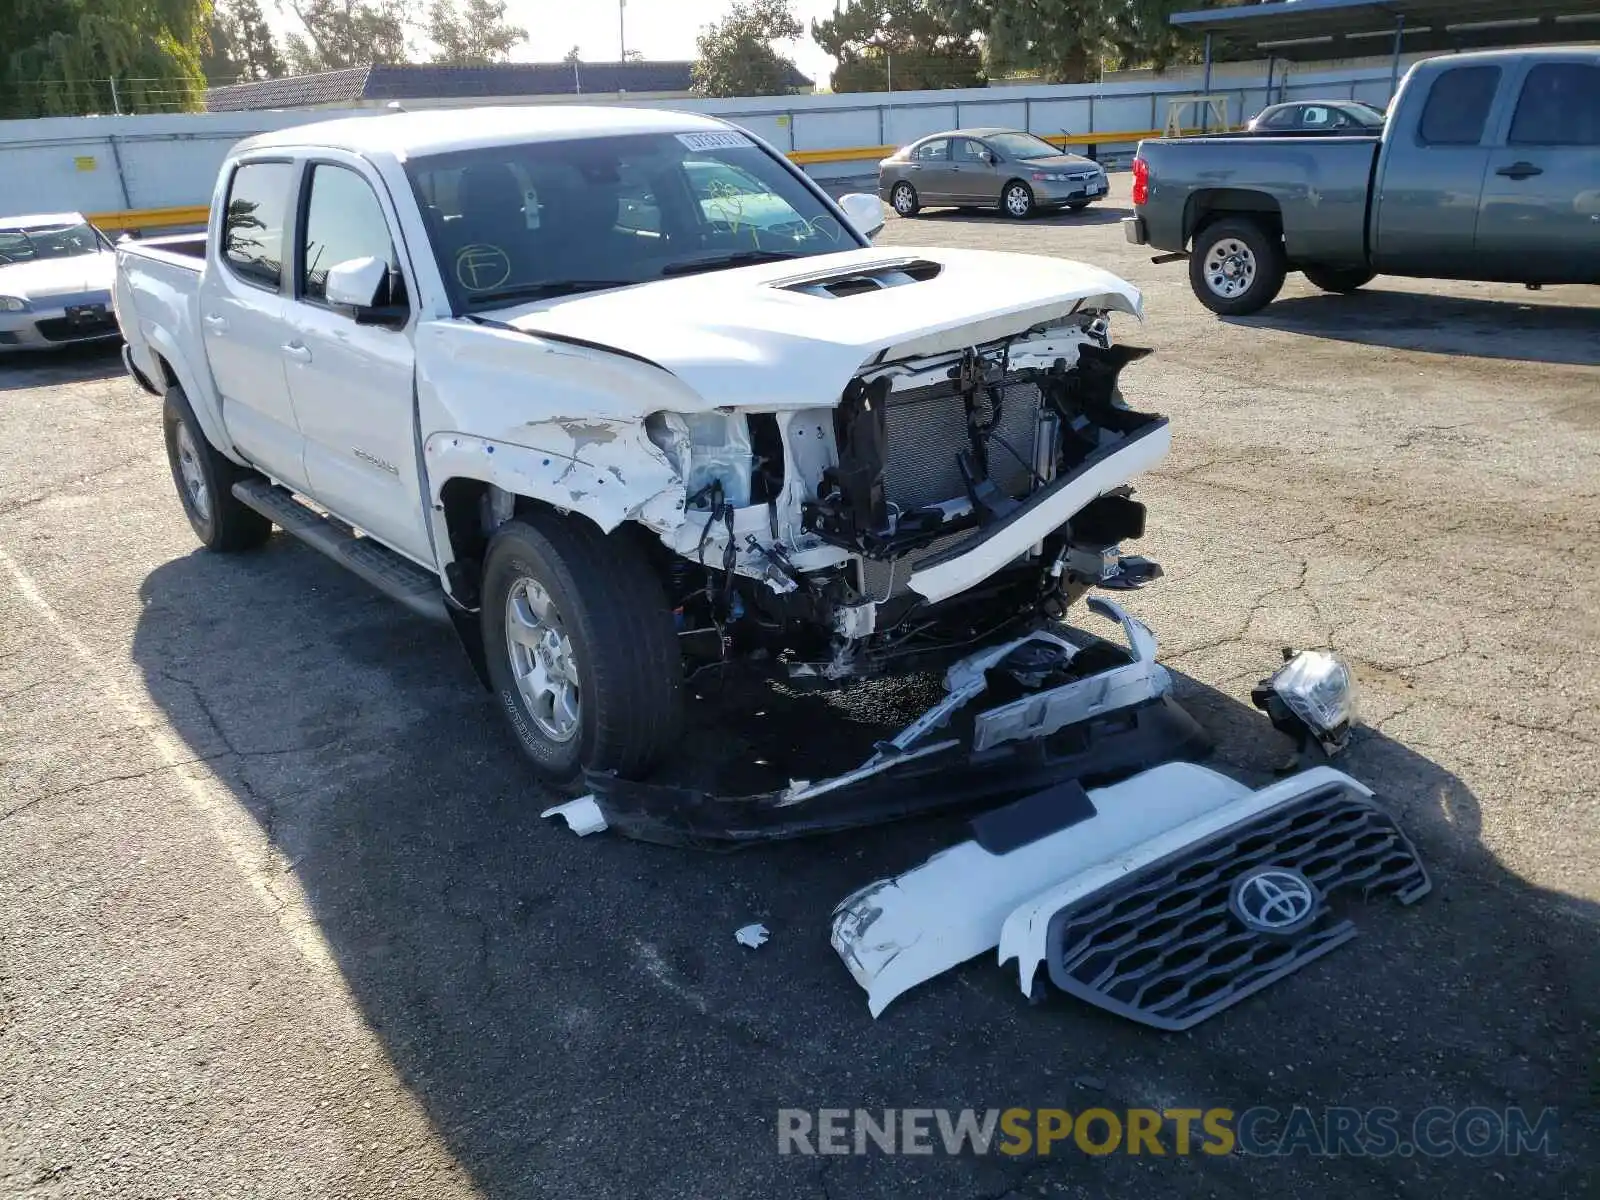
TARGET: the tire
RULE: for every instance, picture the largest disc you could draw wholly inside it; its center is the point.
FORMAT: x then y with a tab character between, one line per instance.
1237	267
903	199
1016	200
1077	205
1337	279
205	479
601	678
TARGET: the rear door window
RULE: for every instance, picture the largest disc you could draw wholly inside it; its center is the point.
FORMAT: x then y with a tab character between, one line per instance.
934	151
1458	106
252	224
1559	106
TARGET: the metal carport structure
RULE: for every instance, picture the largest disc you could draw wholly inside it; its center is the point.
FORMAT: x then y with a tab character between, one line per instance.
1301	30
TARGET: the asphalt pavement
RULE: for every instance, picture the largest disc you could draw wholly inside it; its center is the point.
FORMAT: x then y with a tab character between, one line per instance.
279	917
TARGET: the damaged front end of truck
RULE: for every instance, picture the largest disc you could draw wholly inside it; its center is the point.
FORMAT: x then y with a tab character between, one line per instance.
942	517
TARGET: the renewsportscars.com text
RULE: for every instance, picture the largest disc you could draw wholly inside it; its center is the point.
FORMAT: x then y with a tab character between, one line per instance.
1260	1131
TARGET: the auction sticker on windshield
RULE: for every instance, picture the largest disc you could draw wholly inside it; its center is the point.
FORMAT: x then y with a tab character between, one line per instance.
714	141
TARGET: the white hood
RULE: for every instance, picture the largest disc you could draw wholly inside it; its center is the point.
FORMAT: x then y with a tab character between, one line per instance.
746	337
52	277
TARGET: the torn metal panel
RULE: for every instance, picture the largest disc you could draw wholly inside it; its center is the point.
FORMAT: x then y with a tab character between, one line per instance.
608	480
899	932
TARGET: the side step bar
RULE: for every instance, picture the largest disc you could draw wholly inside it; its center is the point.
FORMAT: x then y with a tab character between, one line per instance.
392	574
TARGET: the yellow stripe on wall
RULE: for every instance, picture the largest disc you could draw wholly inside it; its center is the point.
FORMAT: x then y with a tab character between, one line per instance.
160	218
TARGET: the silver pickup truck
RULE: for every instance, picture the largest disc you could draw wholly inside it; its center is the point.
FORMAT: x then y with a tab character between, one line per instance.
1488	169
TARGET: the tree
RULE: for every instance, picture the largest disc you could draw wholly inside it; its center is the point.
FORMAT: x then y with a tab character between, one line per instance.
240	45
61	55
872	39
473	35
573	56
346	33
734	57
1065	40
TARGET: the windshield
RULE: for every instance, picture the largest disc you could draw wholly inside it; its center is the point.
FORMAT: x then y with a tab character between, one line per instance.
1021	145
33	243
541	219
1366	113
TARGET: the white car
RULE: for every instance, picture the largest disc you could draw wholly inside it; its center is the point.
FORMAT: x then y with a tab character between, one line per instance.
55	281
681	414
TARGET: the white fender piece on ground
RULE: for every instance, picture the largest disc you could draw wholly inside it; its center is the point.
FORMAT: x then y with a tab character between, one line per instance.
1170	897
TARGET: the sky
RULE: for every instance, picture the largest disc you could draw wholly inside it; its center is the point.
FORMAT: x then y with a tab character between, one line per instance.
657	28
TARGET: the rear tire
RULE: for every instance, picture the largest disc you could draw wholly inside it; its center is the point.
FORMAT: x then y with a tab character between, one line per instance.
903	199
1237	267
205	479
581	649
1337	279
1016	200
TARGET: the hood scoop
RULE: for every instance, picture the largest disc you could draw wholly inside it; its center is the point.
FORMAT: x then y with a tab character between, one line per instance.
870	277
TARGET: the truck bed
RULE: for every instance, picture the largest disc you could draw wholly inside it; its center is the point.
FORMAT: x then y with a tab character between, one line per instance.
1320	186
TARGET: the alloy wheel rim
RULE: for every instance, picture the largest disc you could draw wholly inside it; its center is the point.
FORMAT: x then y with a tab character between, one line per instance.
1017	201
542	660
193	476
1230	268
902	199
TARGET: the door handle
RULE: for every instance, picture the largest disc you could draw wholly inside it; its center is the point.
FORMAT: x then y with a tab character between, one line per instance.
1520	170
216	324
296	351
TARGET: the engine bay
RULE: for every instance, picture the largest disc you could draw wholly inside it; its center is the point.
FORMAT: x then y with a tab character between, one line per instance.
806	532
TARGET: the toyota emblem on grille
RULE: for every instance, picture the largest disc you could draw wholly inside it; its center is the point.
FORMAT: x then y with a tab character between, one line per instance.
1274	900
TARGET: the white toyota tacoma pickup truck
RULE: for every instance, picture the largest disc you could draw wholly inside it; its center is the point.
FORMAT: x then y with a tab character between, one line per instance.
626	396
622	394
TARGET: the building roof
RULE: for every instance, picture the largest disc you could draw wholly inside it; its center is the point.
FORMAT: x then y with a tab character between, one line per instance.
434	130
1320	29
429	81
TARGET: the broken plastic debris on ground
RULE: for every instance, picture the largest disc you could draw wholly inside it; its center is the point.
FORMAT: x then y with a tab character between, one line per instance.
1164	897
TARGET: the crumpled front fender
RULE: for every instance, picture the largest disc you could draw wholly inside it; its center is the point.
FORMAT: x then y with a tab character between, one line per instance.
609	471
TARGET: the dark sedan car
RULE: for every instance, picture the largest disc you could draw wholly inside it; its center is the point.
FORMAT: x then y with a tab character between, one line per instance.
1312	117
1005	168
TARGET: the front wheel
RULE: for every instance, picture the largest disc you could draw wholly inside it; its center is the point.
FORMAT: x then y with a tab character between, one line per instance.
1237	267
1337	279
903	198
205	480
1017	200
581	648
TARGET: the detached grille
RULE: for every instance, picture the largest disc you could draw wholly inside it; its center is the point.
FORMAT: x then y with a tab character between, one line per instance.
927	429
1163	946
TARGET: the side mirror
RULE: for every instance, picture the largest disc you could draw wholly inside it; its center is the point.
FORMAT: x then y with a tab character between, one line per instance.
360	285
864	212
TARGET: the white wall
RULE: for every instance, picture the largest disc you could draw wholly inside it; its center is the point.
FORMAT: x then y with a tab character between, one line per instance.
109	164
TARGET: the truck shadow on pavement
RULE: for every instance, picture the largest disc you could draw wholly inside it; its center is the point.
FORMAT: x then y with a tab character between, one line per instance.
21	370
577	1018
1482	328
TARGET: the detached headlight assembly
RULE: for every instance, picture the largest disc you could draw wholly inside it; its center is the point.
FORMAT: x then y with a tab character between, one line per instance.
12	304
1310	698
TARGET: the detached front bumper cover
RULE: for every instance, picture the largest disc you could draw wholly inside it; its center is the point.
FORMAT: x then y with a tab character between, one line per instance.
1113	718
1164	898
